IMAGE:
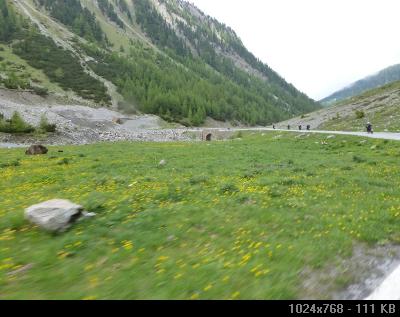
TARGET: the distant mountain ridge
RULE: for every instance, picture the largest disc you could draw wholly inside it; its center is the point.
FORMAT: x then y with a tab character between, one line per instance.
163	57
383	77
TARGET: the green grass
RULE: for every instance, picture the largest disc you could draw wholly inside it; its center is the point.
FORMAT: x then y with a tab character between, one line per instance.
236	219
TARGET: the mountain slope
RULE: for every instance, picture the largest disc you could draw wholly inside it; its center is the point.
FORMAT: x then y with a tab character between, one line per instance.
380	106
385	76
163	57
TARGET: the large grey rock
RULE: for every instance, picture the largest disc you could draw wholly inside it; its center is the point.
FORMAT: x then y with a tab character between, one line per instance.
55	215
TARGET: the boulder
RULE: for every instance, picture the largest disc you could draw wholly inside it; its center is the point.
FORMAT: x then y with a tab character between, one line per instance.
36	150
55	215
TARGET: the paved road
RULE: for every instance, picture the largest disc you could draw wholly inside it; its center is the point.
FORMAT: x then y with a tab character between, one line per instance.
376	135
389	289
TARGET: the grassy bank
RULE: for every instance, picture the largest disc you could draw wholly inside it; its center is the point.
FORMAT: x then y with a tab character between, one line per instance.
380	106
240	219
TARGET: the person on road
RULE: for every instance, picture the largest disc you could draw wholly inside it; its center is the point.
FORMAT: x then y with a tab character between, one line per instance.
369	128
300	127
288	127
308	127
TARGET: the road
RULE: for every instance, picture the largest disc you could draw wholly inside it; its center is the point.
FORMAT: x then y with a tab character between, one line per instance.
376	135
389	289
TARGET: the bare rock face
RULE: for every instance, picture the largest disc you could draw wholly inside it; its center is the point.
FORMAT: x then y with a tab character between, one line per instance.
55	215
36	150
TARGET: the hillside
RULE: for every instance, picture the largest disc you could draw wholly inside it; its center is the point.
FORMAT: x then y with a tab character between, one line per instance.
161	57
385	76
380	106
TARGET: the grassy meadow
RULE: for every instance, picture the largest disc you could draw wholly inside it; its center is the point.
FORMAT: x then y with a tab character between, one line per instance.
241	219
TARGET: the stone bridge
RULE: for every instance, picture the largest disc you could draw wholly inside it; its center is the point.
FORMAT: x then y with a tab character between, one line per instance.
213	134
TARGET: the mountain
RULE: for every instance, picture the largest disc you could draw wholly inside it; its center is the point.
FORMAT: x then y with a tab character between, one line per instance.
385	76
380	106
162	57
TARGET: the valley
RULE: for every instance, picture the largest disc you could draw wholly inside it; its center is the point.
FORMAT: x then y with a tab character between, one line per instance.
182	154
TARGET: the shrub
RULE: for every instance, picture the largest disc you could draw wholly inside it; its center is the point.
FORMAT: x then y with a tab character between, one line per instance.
40	91
360	114
45	126
15	125
11	83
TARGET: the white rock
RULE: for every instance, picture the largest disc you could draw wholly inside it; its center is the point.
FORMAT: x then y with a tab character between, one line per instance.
55	215
86	214
162	163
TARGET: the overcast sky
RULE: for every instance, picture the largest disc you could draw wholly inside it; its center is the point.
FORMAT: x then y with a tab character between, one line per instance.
319	46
